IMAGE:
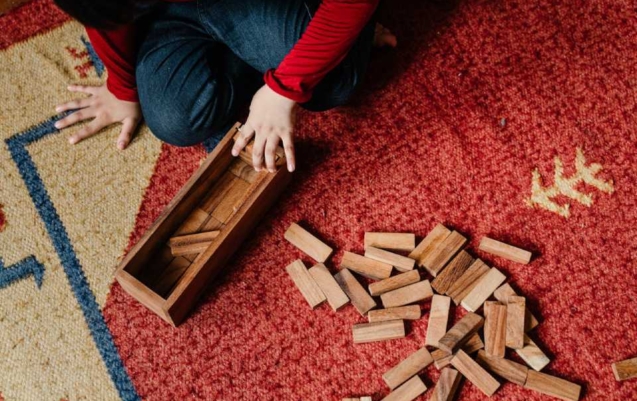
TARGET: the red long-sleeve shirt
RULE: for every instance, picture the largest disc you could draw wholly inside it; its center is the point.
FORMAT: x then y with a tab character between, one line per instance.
326	41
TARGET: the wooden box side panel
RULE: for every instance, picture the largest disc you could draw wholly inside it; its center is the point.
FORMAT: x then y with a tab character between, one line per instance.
143	294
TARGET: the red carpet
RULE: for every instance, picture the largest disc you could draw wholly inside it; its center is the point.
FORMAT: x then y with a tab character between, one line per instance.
448	129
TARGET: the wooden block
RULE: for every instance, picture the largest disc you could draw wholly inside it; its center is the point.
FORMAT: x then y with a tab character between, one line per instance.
407	295
436	260
305	283
191	243
516	309
212	224
367	398
351	399
532	354
193	222
495	328
408	368
475	373
503	293
379	331
438	319
509	370
625	370
392	241
336	297
429	243
447	385
410	312
450	274
307	243
218	192
505	251
361	300
467	282
473	344
366	267
483	290
408	391
441	358
171	274
401	263
393	283
553	386
244	171
460	332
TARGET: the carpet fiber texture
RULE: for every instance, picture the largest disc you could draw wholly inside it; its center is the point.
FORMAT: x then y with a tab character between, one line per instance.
490	117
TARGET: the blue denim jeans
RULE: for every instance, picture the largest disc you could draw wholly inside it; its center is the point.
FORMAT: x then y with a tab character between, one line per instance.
201	62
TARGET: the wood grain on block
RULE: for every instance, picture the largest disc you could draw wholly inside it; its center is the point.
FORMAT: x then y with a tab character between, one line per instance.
408	391
506	369
483	290
170	275
392	241
393	283
193	222
467	282
503	293
408	368
409	312
625	370
450	274
191	243
475	373
366	267
212	224
307	243
505	250
495	328
218	192
460	332
401	263
553	386
336	297
438	319
473	344
189	249
429	243
361	300
305	283
416	292
447	385
516	310
379	331
438	258
366	398
532	354
441	358
244	171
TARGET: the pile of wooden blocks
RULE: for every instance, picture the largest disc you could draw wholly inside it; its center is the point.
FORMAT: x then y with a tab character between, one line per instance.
491	304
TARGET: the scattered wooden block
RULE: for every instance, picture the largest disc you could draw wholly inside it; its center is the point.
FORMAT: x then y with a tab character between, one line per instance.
361	300
367	398
460	332
434	261
410	312
401	263
516	310
447	385
408	368
408	391
305	283
393	283
473	344
351	399
407	295
467	282
509	370
483	290
441	358
307	243
553	386
505	250
429	243
450	274
438	319
532	355
191	243
392	241
379	331
366	267
625	370
336	297
503	293
475	373
495	328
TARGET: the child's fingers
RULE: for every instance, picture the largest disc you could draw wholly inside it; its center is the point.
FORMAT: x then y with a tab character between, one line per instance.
91	90
257	150
73	104
270	152
246	134
73	118
91	129
288	147
125	135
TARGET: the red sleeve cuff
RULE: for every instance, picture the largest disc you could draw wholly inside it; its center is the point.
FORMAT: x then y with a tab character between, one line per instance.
121	92
298	95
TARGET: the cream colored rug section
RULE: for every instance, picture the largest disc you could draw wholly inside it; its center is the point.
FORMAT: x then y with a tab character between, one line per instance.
47	352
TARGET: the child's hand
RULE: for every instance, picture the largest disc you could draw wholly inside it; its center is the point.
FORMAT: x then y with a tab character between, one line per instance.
271	120
105	109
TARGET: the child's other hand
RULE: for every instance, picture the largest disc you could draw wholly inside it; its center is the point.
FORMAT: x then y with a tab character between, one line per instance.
105	109
271	121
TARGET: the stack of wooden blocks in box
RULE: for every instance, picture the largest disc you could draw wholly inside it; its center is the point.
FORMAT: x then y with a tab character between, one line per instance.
491	304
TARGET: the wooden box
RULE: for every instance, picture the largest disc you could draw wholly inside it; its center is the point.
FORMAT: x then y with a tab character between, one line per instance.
224	194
